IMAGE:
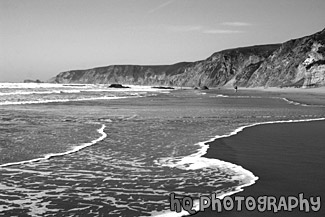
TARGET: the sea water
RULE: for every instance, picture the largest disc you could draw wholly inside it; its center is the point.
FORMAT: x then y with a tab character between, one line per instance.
89	150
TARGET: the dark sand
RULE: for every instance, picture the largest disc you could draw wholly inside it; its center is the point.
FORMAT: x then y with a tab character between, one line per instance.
288	158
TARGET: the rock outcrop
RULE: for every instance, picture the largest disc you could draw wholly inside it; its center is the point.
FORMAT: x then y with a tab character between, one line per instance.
298	62
32	81
117	86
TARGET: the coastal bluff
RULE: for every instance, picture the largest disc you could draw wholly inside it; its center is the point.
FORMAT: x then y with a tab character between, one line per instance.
295	63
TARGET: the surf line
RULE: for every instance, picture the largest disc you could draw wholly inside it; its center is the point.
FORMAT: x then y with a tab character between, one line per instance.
235	132
75	149
301	104
62	100
258	97
197	158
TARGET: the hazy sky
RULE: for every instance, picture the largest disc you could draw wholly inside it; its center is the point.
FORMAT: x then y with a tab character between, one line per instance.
40	38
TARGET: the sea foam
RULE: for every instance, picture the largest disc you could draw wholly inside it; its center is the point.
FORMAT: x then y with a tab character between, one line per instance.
196	161
73	150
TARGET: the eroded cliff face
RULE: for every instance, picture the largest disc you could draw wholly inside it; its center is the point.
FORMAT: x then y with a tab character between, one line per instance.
126	74
312	70
216	70
298	62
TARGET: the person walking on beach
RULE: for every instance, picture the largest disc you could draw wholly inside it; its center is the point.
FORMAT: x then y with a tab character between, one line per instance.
236	89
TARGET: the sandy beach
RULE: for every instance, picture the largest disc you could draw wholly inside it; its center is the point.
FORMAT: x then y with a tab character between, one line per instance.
287	158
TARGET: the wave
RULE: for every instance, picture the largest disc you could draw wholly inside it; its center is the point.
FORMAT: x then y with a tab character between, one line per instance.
229	96
70	91
298	103
41	85
258	97
61	100
29	92
219	95
196	161
75	149
293	102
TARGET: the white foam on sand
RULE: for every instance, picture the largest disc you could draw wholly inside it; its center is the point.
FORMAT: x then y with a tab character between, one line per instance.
75	149
196	161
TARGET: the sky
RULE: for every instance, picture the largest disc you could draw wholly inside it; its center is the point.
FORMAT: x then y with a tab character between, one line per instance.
41	38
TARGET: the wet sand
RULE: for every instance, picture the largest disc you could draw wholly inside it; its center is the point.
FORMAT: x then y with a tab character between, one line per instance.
310	96
288	158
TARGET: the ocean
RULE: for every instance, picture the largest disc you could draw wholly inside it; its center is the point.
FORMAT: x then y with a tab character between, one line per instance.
89	150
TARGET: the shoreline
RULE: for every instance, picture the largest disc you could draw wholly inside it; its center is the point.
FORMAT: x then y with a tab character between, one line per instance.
234	149
51	155
205	150
205	153
308	96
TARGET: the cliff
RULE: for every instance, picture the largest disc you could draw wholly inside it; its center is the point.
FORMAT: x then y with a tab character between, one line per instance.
298	62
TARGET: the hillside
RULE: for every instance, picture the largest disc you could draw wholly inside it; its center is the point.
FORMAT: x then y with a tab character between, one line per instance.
298	62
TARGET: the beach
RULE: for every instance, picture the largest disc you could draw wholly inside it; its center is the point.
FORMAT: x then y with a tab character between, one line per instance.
162	108
93	151
287	157
306	96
